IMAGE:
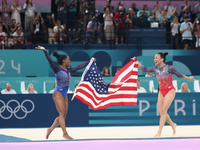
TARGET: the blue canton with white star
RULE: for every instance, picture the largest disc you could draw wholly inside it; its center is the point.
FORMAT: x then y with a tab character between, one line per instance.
94	76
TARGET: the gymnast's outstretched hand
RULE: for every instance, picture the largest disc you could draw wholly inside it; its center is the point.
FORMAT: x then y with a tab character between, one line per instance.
41	48
191	78
94	59
134	58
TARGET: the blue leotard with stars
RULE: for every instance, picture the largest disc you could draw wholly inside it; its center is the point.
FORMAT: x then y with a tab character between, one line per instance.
63	76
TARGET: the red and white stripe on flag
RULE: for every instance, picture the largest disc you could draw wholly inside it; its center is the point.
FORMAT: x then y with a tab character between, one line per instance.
122	90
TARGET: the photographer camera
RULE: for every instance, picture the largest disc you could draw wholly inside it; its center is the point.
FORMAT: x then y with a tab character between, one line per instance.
94	28
88	7
109	6
119	19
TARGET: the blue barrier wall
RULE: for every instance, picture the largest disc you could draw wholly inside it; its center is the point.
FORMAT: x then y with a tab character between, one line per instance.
50	81
23	111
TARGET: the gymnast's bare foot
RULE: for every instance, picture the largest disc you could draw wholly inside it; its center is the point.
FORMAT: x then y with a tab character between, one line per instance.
174	128
48	133
157	135
67	137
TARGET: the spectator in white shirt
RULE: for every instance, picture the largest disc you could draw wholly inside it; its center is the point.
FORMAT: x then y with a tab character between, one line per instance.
59	30
108	24
186	30
149	74
30	89
30	9
157	11
16	10
18	37
169	8
139	88
50	92
175	25
8	90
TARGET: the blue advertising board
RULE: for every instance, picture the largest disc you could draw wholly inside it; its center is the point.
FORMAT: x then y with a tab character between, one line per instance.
38	110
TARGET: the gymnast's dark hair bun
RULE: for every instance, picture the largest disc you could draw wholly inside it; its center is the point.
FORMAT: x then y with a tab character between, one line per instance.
163	55
56	54
166	53
59	57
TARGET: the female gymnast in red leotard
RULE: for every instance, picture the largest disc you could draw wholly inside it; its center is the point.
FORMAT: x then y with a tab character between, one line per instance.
164	74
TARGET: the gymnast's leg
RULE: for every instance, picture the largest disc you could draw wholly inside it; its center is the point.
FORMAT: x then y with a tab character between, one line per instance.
163	105
62	108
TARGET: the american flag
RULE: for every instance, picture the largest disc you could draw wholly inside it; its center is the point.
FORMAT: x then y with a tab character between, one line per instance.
93	91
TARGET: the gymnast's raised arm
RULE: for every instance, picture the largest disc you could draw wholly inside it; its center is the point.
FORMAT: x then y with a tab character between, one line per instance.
53	65
143	68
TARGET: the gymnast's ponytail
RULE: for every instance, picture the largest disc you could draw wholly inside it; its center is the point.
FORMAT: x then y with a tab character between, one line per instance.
59	57
163	55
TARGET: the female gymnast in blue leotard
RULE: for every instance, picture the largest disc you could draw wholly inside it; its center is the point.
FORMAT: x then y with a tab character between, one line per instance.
63	75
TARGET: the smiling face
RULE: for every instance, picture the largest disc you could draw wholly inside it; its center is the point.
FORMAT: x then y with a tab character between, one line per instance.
158	60
66	62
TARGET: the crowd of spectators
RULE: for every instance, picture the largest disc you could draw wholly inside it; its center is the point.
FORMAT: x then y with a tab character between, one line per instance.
182	22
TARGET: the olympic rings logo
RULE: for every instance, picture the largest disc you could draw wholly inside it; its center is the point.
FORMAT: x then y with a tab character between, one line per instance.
16	109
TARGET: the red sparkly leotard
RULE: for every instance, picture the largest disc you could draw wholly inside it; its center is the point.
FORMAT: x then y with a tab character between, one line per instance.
164	76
